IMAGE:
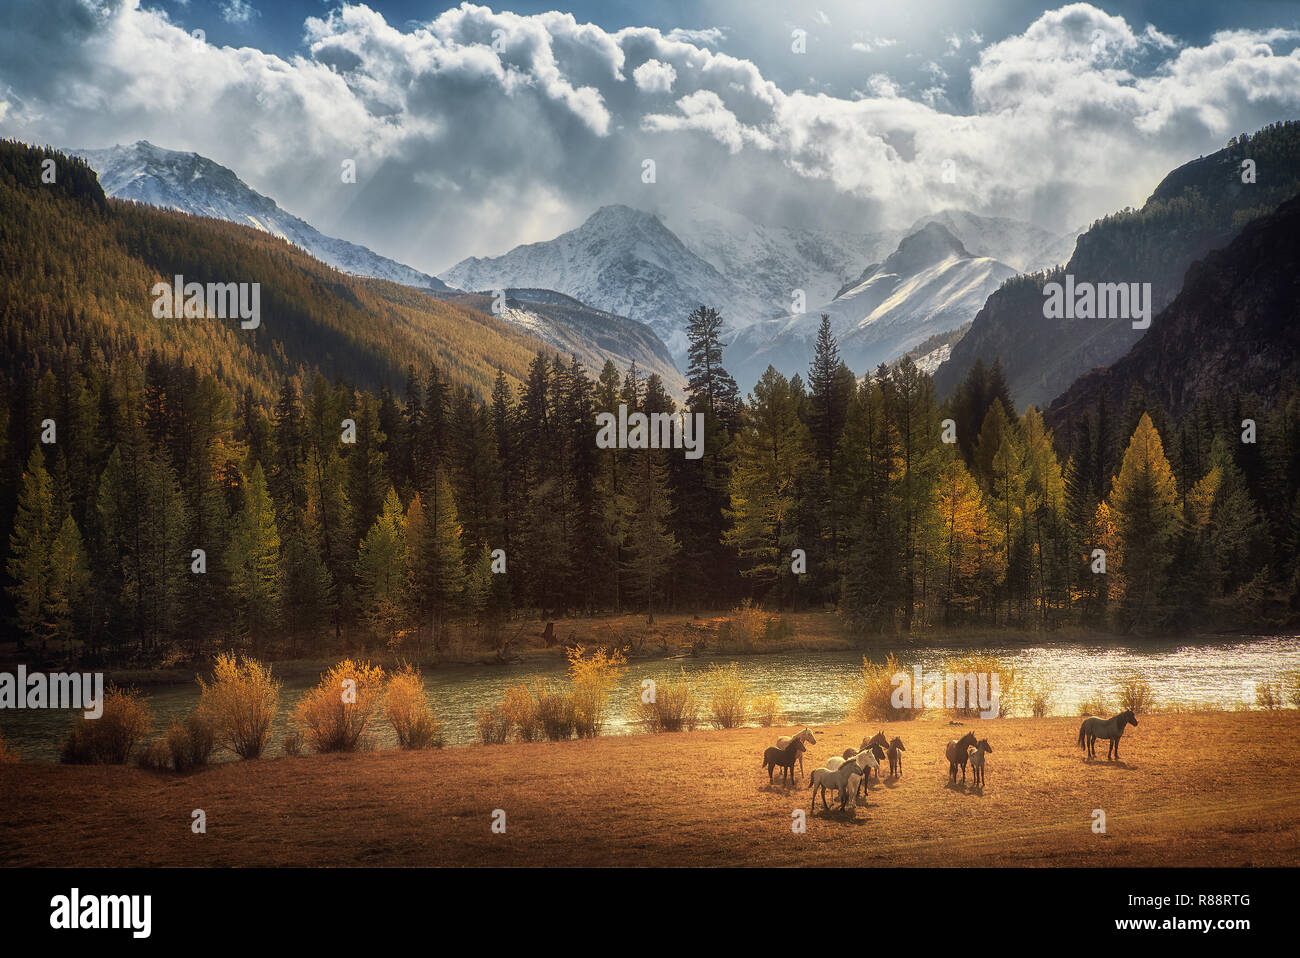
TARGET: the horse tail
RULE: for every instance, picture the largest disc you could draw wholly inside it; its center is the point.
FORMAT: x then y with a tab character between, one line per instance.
1081	745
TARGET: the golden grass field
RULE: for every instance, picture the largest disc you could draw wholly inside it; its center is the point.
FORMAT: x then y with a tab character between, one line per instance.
1214	789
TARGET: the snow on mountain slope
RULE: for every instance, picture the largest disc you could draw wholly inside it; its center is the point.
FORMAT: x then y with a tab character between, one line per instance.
197	185
574	328
624	261
929	285
1022	246
777	260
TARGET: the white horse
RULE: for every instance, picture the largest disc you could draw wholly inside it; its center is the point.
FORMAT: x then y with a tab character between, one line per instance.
835	774
805	736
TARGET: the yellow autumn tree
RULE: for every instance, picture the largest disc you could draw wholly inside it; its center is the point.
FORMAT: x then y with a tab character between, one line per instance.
1144	506
963	546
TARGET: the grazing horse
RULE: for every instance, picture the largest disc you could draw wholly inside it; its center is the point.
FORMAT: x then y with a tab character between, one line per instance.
783	757
977	761
895	752
1111	728
804	736
958	755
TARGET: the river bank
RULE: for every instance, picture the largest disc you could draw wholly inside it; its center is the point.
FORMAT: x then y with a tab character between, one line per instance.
1212	789
671	637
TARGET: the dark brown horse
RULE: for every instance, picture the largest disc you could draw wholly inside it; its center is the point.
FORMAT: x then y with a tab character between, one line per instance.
895	753
977	754
957	755
784	758
878	745
1111	728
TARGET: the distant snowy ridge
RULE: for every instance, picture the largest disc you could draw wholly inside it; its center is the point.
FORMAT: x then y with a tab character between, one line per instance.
197	185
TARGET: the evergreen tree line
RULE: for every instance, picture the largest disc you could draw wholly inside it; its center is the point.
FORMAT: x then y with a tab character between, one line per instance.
168	513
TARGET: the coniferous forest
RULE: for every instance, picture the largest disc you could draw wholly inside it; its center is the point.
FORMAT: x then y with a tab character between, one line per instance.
193	486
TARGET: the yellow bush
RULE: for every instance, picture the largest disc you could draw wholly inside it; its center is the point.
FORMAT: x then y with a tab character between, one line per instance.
748	628
1096	704
407	708
1291	687
333	716
766	709
520	710
593	677
872	693
1135	694
111	738
984	664
242	700
493	726
1268	695
556	710
190	743
1038	696
673	706
728	696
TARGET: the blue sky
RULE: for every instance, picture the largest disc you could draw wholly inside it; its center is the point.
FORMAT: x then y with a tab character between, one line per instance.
475	128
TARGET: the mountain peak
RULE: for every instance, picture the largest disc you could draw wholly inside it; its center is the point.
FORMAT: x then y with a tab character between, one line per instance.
931	243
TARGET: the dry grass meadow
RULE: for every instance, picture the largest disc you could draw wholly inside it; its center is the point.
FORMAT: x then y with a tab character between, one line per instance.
1216	789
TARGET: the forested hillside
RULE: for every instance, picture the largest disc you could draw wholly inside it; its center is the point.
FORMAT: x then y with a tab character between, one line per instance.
347	483
1197	208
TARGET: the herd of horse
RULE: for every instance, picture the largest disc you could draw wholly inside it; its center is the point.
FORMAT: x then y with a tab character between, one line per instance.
847	774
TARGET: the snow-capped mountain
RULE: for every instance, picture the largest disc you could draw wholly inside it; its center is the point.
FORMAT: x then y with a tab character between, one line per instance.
624	261
1022	246
775	260
576	329
195	184
929	285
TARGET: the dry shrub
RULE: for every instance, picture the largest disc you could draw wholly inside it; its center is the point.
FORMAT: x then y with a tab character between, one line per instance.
111	738
406	706
1038	696
190	743
156	756
1268	696
674	705
765	709
1135	693
748	628
493	726
872	694
292	744
728	696
556	710
983	664
1291	687
520	709
593	677
242	700
7	754
1098	703
333	716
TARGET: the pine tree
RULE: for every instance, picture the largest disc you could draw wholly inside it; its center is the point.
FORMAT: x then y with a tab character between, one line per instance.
772	452
382	570
31	542
253	559
650	544
436	558
1144	504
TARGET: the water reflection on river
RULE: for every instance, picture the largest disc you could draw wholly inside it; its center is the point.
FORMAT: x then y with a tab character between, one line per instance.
810	684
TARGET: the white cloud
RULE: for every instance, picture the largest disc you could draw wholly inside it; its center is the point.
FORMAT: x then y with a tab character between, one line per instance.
466	148
655	77
708	37
238	11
